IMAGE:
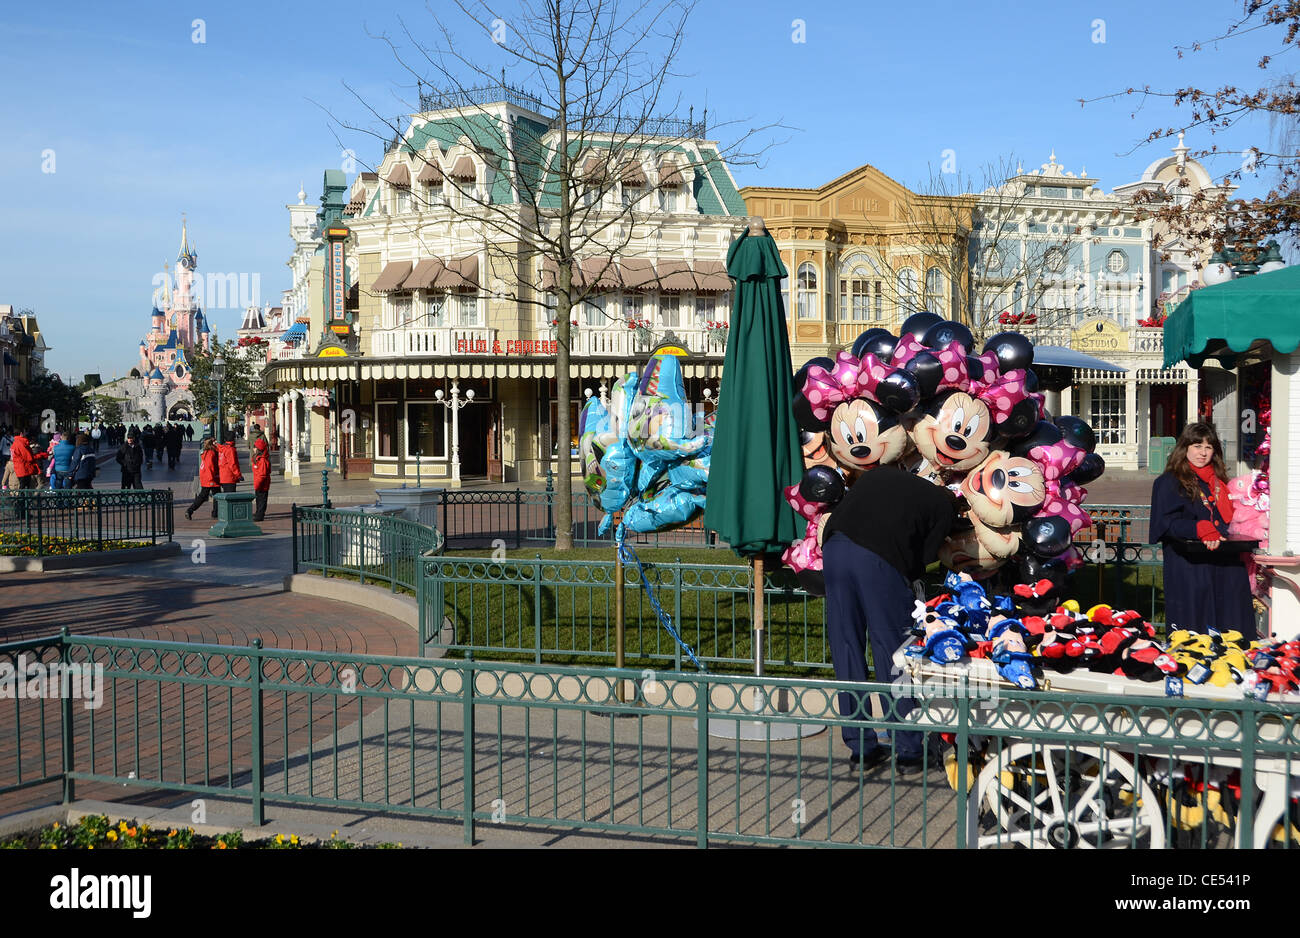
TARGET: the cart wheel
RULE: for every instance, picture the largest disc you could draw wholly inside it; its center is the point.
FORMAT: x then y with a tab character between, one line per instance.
1048	795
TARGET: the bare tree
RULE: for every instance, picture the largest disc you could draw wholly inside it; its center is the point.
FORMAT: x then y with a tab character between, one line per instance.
1230	115
581	169
970	234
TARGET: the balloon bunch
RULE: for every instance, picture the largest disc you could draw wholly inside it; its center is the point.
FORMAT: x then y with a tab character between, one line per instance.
972	422
647	454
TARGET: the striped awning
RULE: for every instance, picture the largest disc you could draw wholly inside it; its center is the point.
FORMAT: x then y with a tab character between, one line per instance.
392	278
638	273
399	176
425	274
310	372
430	174
459	274
294	333
669	174
632	174
463	170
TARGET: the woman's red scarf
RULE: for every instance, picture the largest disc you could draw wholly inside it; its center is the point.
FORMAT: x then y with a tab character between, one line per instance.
1218	490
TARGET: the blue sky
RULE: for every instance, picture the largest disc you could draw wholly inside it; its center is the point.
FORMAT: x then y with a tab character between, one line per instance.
145	123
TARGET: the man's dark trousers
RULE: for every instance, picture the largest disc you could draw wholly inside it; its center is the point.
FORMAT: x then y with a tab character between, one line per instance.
866	598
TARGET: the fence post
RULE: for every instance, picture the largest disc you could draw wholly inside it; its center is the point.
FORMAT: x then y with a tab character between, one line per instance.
40	526
327	554
99	522
963	760
537	610
677	614
422	618
69	786
293	512
701	761
519	501
446	531
550	506
1249	739
467	698
255	718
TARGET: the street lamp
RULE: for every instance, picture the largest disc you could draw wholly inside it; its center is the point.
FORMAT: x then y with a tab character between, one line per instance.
455	404
218	376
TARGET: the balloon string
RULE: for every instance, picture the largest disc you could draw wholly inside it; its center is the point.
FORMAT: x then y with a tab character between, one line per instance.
626	552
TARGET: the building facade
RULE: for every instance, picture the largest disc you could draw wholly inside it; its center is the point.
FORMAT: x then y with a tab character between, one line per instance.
429	336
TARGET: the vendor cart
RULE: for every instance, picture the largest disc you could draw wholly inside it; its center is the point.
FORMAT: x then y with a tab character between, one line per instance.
1095	760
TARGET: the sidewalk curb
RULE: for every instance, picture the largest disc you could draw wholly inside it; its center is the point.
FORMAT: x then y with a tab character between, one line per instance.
79	561
377	598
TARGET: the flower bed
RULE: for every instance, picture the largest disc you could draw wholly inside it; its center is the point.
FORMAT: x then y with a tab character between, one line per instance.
99	833
13	544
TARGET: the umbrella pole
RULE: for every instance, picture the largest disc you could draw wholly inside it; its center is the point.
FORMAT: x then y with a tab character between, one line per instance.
758	615
620	693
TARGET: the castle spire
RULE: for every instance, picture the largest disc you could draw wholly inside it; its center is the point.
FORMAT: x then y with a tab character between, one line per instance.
185	241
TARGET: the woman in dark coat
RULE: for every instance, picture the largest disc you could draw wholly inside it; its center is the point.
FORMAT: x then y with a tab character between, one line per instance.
83	463
1205	589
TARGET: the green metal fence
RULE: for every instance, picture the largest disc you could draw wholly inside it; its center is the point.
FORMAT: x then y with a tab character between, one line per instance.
562	611
42	517
374	548
533	746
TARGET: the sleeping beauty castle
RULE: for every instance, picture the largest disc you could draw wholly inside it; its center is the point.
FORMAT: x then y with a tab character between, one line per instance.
178	328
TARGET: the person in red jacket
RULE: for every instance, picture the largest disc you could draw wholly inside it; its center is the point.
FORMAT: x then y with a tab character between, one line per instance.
25	468
209	478
228	469
261	477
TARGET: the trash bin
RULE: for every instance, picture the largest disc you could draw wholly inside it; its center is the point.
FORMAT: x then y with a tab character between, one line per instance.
1158	453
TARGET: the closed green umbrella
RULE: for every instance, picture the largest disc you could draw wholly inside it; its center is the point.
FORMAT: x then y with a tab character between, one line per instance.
756	450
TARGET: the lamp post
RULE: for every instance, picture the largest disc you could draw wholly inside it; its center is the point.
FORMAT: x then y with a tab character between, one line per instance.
218	376
455	404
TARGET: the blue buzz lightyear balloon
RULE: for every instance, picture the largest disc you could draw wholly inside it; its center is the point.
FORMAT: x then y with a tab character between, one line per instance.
647	454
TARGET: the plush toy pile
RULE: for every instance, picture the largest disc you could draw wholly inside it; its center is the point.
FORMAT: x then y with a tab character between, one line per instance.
972	422
647	454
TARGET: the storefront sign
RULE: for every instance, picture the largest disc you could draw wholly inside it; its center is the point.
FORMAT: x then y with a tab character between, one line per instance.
1099	335
331	351
335	291
509	347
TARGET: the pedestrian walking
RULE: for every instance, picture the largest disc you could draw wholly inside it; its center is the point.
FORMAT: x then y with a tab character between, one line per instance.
84	463
209	478
189	432
26	469
6	445
228	469
131	456
261	477
146	443
61	462
159	442
95	436
1206	589
175	440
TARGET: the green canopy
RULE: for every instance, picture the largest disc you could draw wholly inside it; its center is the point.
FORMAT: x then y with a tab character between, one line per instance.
1227	318
755	444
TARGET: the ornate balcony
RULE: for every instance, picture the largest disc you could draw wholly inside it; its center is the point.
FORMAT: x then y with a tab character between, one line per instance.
412	342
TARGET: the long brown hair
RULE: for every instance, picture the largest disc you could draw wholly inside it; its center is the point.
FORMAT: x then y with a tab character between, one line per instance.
1181	469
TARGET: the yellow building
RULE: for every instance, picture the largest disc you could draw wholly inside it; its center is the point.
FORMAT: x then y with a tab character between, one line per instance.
864	251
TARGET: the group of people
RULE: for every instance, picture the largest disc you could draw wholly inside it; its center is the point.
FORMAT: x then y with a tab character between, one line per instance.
67	461
219	471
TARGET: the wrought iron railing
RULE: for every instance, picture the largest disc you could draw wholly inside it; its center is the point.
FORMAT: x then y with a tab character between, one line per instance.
476	745
47	520
372	547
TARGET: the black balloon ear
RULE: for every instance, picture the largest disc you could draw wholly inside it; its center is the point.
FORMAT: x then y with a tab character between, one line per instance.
1031	381
1047	537
899	392
1077	432
813	582
822	485
918	324
861	343
1089	469
1033	569
804	417
974	368
1012	349
943	334
881	345
1022	419
1043	433
928	372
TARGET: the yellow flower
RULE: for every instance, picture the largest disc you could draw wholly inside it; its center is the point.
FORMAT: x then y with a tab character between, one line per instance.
111	835
122	826
279	838
221	845
172	832
56	825
294	839
333	835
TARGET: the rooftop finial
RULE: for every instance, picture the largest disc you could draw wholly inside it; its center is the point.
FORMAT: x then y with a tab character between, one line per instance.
1052	159
302	194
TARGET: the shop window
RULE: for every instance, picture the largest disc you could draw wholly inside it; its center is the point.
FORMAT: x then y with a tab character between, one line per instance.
594	310
386	430
467	309
934	291
434	306
633	307
907	299
1107	413
807	292
426	429
670	311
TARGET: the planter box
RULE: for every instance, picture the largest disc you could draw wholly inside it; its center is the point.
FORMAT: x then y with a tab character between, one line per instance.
358	468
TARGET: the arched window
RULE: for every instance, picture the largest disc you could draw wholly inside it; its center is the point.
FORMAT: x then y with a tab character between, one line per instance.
807	291
907	291
934	291
861	290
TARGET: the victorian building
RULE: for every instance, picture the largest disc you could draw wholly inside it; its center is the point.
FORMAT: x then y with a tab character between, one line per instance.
427	341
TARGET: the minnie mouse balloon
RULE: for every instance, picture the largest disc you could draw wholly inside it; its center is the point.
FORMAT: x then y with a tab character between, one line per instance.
1012	349
943	334
1089	469
861	345
1077	432
918	324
